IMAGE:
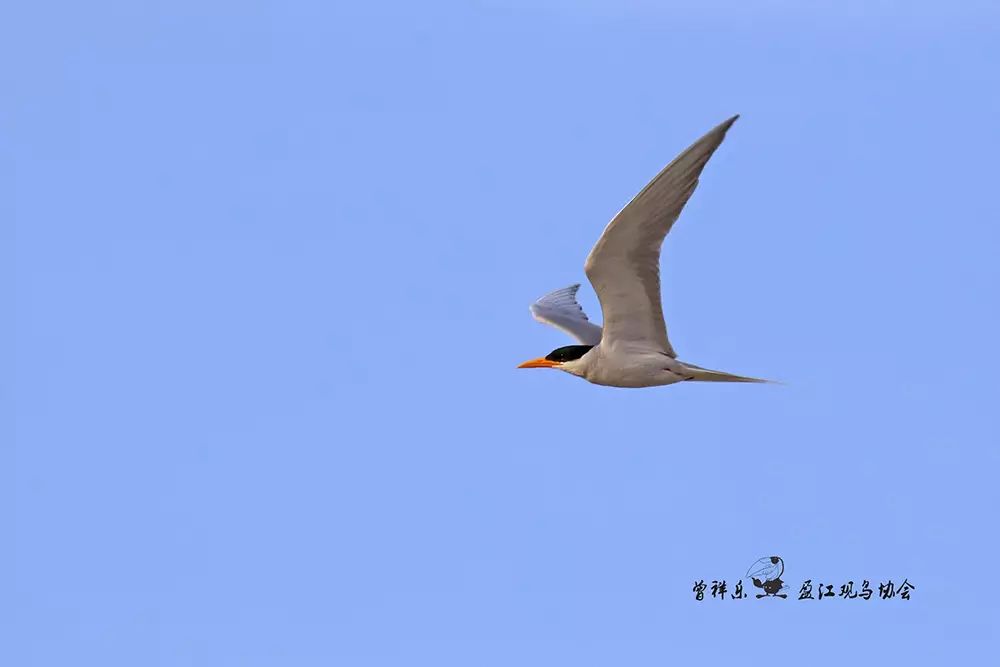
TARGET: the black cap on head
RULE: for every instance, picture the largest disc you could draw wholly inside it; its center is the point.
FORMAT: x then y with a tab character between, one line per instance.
569	353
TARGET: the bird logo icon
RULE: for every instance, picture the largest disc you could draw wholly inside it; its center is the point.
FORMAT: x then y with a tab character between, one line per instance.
766	575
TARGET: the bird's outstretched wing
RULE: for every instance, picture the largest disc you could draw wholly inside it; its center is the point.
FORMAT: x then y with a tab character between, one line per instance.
624	265
561	310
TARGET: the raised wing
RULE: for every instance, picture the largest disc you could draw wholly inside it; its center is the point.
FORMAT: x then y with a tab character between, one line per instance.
561	310
624	265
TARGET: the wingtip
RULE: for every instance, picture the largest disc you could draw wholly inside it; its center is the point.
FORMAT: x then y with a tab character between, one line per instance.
722	128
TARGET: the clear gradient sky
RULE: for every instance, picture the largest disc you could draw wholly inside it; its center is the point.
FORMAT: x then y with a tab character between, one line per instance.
272	265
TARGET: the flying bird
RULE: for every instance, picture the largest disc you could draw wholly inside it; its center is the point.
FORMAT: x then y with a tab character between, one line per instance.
631	349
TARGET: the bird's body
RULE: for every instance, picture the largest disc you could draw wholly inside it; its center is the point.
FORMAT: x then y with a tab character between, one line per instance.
627	366
618	366
632	348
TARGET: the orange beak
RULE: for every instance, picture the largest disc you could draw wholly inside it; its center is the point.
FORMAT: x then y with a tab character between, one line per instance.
541	362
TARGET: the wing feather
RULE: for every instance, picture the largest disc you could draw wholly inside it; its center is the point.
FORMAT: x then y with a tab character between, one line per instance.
624	265
561	310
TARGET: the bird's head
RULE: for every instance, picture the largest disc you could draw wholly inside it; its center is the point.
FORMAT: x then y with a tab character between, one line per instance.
568	358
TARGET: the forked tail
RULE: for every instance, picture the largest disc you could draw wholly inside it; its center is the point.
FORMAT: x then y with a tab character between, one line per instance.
706	375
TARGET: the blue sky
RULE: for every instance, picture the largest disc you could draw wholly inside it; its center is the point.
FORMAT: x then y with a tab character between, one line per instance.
271	269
